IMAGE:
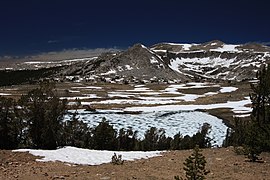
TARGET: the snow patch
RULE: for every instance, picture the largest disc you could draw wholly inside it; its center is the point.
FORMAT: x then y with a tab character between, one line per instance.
228	48
87	87
112	71
5	94
153	60
128	67
86	156
236	106
227	89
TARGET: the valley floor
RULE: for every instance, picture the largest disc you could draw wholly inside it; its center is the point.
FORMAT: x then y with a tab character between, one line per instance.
222	162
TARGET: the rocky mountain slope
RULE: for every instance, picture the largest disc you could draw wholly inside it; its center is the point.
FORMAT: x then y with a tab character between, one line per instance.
138	63
170	62
214	60
163	62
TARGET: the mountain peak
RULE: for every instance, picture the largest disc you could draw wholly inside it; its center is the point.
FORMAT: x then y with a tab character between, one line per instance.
214	43
166	62
138	45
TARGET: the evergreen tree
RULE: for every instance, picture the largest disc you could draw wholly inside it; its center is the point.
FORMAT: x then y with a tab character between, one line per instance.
201	137
261	109
176	141
127	140
104	136
75	133
45	112
194	166
10	129
237	135
254	134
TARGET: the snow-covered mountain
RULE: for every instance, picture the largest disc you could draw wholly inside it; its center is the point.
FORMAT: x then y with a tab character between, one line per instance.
214	60
173	62
163	62
137	64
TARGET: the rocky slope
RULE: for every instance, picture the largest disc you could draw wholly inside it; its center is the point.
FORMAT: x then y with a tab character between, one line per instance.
169	62
163	62
214	60
138	63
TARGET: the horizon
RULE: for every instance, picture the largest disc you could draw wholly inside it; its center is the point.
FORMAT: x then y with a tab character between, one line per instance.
30	27
93	51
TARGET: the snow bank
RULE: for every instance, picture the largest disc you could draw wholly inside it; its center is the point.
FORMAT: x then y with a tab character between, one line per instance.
227	89
87	87
236	106
4	94
85	156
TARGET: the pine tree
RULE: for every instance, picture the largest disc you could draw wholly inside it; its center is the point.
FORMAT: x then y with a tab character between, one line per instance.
104	136
44	115
258	130
254	134
127	139
75	133
195	166
10	128
261	107
176	141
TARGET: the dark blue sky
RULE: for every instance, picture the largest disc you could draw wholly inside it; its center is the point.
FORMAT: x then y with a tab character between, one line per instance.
34	26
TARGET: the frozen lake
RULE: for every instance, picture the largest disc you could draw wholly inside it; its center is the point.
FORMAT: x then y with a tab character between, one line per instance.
185	122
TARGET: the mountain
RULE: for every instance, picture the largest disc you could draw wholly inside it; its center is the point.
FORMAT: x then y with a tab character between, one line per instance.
171	62
138	63
214	60
163	62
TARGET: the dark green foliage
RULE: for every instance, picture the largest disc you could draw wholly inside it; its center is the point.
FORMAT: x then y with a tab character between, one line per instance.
176	142
45	112
155	139
261	109
75	133
127	140
254	134
104	136
194	166
236	136
10	128
24	76
201	139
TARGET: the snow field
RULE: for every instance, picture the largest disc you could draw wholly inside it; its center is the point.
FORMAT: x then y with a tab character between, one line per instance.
85	156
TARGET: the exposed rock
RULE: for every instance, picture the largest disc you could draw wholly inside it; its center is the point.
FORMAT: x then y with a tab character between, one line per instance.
171	62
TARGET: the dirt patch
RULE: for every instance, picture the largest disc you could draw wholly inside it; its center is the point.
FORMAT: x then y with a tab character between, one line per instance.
199	91
223	164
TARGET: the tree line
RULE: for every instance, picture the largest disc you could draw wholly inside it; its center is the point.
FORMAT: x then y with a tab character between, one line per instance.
36	120
254	134
14	77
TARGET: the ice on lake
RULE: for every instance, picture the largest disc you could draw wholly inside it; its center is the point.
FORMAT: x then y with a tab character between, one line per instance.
173	122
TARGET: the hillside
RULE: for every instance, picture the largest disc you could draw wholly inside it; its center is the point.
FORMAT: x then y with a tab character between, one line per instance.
222	162
160	63
170	62
215	59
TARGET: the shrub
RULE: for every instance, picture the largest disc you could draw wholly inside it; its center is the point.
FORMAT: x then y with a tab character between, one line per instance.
117	159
